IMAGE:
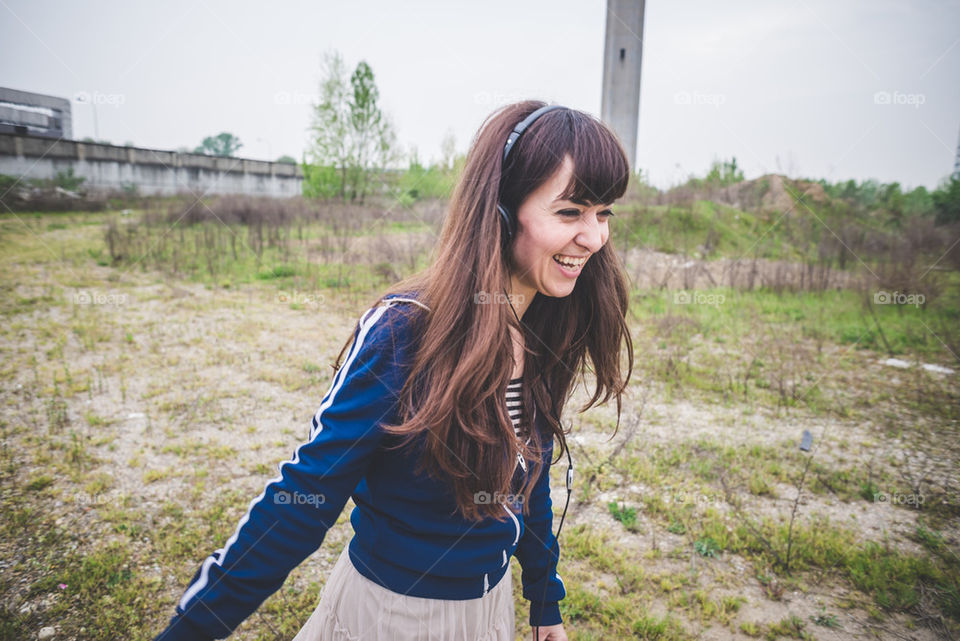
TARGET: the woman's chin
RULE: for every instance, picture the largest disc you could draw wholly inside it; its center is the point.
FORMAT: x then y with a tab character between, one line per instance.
558	290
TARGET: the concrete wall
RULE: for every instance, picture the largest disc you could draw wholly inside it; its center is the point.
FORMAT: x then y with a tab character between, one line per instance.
152	171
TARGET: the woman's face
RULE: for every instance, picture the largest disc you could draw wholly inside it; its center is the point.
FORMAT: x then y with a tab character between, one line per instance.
550	229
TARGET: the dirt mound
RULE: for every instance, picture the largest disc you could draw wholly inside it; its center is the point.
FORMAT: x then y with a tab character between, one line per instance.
771	192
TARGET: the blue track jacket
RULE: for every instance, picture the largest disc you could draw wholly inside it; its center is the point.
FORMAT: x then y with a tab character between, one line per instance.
408	536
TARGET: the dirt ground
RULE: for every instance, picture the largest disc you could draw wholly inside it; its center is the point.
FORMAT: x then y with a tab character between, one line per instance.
235	375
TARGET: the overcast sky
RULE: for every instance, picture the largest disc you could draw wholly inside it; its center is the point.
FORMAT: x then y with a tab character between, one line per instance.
785	86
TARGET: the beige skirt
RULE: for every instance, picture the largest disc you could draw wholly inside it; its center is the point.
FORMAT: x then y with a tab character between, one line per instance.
354	608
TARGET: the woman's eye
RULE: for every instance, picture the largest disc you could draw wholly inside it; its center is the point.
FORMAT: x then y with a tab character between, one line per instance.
605	214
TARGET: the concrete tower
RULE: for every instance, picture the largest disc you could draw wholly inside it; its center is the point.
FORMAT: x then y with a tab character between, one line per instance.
622	52
956	161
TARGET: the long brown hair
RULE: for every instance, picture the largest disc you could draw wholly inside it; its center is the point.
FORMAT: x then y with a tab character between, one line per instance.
454	394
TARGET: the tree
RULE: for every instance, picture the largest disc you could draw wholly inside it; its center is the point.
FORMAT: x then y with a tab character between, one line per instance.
331	126
350	132
386	149
724	173
917	202
891	199
289	160
849	190
448	150
223	144
869	194
946	201
366	121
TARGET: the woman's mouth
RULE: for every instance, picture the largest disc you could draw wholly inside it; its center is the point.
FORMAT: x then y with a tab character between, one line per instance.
569	265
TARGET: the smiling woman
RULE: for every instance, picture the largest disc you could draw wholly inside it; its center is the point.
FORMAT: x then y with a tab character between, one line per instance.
440	423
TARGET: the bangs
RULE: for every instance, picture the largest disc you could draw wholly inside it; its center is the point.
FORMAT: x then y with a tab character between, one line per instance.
600	169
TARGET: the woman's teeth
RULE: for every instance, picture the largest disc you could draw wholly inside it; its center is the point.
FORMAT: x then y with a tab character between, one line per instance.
569	261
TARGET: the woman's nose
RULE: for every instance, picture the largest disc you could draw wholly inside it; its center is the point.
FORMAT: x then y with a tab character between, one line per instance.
592	234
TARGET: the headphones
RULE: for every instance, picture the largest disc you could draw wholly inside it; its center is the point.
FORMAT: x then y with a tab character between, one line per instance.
508	228
508	224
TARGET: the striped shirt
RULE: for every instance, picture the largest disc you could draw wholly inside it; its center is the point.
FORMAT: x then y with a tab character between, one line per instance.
515	409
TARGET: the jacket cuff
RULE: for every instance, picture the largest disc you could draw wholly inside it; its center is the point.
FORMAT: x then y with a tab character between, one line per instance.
545	613
182	629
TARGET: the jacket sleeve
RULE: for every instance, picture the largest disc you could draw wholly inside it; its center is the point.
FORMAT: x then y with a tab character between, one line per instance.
538	553
289	519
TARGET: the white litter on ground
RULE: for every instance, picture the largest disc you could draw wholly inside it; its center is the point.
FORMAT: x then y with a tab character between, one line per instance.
930	367
896	362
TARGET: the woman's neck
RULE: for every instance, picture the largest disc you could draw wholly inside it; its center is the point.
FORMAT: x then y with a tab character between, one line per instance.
517	354
520	296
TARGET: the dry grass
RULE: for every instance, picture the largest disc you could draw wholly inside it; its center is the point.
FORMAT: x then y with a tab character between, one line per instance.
140	418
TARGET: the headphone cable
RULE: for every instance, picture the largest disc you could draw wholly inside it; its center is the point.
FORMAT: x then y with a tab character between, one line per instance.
536	628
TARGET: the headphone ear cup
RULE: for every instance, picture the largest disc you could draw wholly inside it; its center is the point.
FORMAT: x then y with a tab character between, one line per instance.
506	223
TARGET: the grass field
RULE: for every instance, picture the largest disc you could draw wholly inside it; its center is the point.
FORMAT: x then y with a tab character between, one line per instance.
148	399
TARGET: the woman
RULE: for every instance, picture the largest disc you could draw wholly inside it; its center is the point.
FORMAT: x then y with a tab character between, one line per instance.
440	423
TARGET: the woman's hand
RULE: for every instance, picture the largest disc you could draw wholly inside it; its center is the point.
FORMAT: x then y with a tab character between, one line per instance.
551	633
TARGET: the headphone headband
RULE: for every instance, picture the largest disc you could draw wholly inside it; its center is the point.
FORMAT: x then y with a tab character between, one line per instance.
507	223
522	126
